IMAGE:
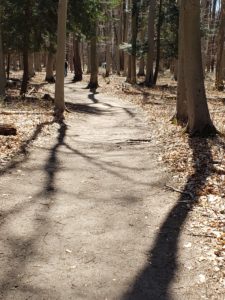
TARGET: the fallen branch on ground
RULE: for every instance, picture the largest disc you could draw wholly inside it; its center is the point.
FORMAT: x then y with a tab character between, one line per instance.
180	191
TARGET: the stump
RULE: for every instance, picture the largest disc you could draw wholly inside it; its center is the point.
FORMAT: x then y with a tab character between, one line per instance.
7	129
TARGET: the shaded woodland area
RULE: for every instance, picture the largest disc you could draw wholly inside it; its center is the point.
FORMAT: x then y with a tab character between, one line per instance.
166	57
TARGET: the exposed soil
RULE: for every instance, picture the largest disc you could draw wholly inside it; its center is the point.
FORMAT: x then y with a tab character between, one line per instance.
86	213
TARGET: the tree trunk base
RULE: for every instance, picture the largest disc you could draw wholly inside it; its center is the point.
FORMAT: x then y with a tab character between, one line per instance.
92	85
7	129
149	84
181	121
77	78
206	131
140	74
58	115
50	79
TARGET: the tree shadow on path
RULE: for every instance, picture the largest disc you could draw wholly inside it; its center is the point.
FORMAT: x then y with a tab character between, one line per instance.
52	164
155	279
22	250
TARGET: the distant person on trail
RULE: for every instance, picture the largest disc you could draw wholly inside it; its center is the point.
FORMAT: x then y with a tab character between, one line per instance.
66	68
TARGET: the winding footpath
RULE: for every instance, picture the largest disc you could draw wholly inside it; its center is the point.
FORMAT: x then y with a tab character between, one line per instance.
80	217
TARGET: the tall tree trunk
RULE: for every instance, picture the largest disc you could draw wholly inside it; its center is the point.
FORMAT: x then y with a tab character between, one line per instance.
205	20
49	67
134	32
213	38
25	72
31	65
220	48
2	67
121	37
149	79
37	62
125	33
158	45
26	45
60	58
199	122
141	71
88	58
128	79
108	59
93	83
8	65
181	114
117	39
78	73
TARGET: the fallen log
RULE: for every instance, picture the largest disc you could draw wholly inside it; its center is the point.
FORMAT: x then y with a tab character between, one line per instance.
7	129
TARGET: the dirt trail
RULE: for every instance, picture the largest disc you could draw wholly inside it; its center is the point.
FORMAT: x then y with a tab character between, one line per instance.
80	218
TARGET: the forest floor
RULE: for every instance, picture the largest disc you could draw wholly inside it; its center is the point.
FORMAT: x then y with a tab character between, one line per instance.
115	203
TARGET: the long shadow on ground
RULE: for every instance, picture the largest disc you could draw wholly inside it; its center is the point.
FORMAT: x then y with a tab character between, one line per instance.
21	249
155	279
52	164
93	98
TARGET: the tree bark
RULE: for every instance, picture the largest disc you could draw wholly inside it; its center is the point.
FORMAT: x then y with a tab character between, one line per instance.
199	122
37	62
158	45
108	59
25	72
149	79
8	65
134	32
93	83
31	65
49	67
60	59
88	58
78	73
2	68
141	71
125	33
181	114
220	48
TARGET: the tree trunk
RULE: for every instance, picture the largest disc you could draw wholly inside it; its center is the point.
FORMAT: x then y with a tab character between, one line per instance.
93	83
220	48
125	33
181	114
49	68
117	39
88	58
2	68
60	59
141	71
8	65
205	21
108	59
25	72
149	79
128	79
211	44
199	122
37	62
78	74
134	31
31	65
158	43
